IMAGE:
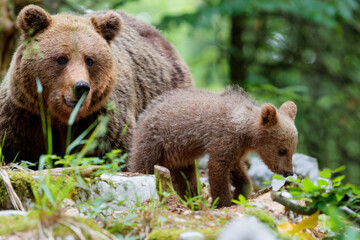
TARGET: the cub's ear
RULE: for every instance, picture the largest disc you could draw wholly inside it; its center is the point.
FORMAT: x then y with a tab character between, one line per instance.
289	108
107	25
32	19
269	116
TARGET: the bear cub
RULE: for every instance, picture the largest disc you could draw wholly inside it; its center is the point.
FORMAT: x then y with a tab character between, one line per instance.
182	125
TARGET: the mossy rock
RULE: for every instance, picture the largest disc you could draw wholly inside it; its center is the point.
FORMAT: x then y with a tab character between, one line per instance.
263	216
173	234
22	184
30	223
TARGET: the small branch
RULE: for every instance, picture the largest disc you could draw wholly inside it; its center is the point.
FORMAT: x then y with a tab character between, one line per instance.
292	206
352	214
310	210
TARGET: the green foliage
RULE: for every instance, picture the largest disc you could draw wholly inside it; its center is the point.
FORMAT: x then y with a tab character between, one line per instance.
327	192
329	195
241	201
197	201
48	198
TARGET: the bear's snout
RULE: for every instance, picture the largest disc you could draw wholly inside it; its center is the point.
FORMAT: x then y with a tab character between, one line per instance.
80	88
287	174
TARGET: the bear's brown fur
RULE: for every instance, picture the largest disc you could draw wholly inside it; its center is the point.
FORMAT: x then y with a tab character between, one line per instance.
180	126
120	58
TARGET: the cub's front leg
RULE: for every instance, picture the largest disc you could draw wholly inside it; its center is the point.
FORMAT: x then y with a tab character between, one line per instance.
219	178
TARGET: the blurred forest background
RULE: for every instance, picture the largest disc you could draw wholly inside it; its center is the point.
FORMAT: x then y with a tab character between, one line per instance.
307	51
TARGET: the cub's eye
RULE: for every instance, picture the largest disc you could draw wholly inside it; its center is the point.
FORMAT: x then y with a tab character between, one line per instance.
282	152
89	62
62	61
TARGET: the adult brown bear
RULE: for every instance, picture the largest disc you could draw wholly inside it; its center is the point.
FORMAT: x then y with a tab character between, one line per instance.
111	55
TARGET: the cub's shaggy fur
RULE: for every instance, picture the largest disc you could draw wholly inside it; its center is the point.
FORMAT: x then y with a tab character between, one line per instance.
180	126
111	54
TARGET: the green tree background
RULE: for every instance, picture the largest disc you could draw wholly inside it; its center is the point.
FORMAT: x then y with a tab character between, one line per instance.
307	51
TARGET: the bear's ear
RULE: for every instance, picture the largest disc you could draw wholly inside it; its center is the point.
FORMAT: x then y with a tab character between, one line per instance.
269	116
108	25
289	108
32	19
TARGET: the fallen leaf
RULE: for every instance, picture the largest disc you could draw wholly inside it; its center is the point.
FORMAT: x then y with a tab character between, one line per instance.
309	222
285	227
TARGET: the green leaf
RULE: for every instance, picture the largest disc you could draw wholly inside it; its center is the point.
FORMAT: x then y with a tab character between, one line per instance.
322	182
341	168
356	190
321	206
338	179
277	176
76	109
325	173
308	185
339	196
242	199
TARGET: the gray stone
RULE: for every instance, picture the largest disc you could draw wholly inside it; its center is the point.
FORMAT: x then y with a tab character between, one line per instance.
191	236
257	205
246	228
6	213
129	190
203	162
259	172
276	184
302	165
306	166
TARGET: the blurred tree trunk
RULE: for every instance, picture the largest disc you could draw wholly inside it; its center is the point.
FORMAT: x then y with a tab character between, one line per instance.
53	6
237	59
8	30
7	35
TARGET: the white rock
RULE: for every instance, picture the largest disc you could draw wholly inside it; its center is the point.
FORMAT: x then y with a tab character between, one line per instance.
117	188
191	236
203	162
6	213
246	228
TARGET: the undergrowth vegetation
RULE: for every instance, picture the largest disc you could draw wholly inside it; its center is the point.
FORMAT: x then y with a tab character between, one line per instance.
333	206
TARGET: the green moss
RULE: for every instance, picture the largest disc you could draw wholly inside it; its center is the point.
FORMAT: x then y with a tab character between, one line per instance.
17	224
262	216
173	234
22	184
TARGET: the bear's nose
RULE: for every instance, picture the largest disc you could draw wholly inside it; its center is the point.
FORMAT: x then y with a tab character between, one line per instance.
288	174
79	88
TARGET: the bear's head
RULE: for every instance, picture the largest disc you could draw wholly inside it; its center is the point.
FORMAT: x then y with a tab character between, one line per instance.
70	55
277	136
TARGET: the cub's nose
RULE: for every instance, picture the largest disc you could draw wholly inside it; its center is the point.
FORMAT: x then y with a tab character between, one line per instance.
79	88
288	174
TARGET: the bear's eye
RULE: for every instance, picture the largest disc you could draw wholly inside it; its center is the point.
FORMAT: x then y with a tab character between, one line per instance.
62	61
282	152
89	62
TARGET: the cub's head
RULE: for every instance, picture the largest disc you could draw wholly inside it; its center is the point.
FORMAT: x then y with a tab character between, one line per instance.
277	137
70	55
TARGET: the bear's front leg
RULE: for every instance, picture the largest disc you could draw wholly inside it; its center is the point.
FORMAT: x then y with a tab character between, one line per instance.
240	180
219	171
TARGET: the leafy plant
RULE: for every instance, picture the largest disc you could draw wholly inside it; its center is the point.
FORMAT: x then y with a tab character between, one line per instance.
241	201
340	202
